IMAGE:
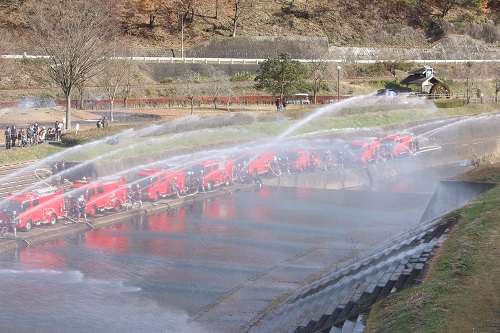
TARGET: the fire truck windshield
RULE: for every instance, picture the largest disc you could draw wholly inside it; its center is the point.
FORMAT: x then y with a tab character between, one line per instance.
144	182
79	192
10	206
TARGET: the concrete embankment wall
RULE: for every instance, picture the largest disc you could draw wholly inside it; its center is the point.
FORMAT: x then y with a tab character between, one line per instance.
355	176
450	195
465	140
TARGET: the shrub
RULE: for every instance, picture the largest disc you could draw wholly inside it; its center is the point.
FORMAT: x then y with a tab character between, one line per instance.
241	76
167	80
450	103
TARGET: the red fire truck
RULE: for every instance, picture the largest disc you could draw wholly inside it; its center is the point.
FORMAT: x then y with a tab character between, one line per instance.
363	151
156	183
43	206
299	160
213	173
109	194
396	145
256	163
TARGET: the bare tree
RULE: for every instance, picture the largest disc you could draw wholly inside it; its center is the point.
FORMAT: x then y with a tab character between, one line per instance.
189	88
117	73
238	7
151	7
497	82
72	40
219	86
216	9
319	69
3	48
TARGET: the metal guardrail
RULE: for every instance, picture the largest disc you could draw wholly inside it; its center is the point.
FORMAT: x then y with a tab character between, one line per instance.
257	61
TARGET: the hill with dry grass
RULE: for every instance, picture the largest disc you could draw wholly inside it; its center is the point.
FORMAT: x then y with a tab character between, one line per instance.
355	22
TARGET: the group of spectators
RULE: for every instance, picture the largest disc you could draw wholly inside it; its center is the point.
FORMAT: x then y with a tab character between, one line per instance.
32	135
281	104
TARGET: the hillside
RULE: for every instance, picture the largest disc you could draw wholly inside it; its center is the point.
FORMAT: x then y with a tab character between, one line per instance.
356	22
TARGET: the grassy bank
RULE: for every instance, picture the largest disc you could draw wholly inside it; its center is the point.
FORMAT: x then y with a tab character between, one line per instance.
461	293
241	126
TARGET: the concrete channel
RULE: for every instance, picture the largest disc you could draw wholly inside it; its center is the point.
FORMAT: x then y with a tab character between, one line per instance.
338	300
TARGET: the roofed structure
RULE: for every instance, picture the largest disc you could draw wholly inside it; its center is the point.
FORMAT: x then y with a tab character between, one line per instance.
429	84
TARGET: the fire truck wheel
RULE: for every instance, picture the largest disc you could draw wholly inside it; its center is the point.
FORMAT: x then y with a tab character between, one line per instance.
53	219
228	181
93	210
156	196
210	186
117	206
27	227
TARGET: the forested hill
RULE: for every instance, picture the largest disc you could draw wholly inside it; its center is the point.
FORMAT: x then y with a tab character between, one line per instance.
405	23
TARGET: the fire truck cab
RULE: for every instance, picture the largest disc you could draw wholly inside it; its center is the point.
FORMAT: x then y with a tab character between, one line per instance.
255	163
299	160
156	183
43	206
99	196
364	151
396	145
213	172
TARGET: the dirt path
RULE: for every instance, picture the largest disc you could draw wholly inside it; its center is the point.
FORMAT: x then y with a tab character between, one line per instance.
47	116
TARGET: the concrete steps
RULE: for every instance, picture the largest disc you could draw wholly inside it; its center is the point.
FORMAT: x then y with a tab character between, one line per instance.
337	302
18	176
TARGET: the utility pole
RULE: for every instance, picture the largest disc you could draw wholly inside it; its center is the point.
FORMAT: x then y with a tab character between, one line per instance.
182	36
338	83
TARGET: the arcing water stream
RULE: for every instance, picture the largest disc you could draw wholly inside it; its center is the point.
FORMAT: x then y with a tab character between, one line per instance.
220	265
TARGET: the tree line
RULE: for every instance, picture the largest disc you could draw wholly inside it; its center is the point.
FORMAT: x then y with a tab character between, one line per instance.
78	39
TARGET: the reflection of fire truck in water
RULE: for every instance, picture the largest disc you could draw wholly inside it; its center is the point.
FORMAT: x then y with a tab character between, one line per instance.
43	206
100	196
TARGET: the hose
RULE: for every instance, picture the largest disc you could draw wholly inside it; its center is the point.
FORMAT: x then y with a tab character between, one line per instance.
15	238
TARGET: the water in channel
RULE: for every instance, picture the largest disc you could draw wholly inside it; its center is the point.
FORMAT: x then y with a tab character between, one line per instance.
157	273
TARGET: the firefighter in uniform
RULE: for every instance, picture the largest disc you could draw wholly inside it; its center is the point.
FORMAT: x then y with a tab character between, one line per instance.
82	209
201	182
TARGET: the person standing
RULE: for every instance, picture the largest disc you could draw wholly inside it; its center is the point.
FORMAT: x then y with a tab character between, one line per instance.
201	182
285	103
35	133
137	196
60	129
20	137
29	135
7	138
82	208
13	136
56	130
278	104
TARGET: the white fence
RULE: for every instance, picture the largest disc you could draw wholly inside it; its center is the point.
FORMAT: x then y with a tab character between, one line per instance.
257	61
